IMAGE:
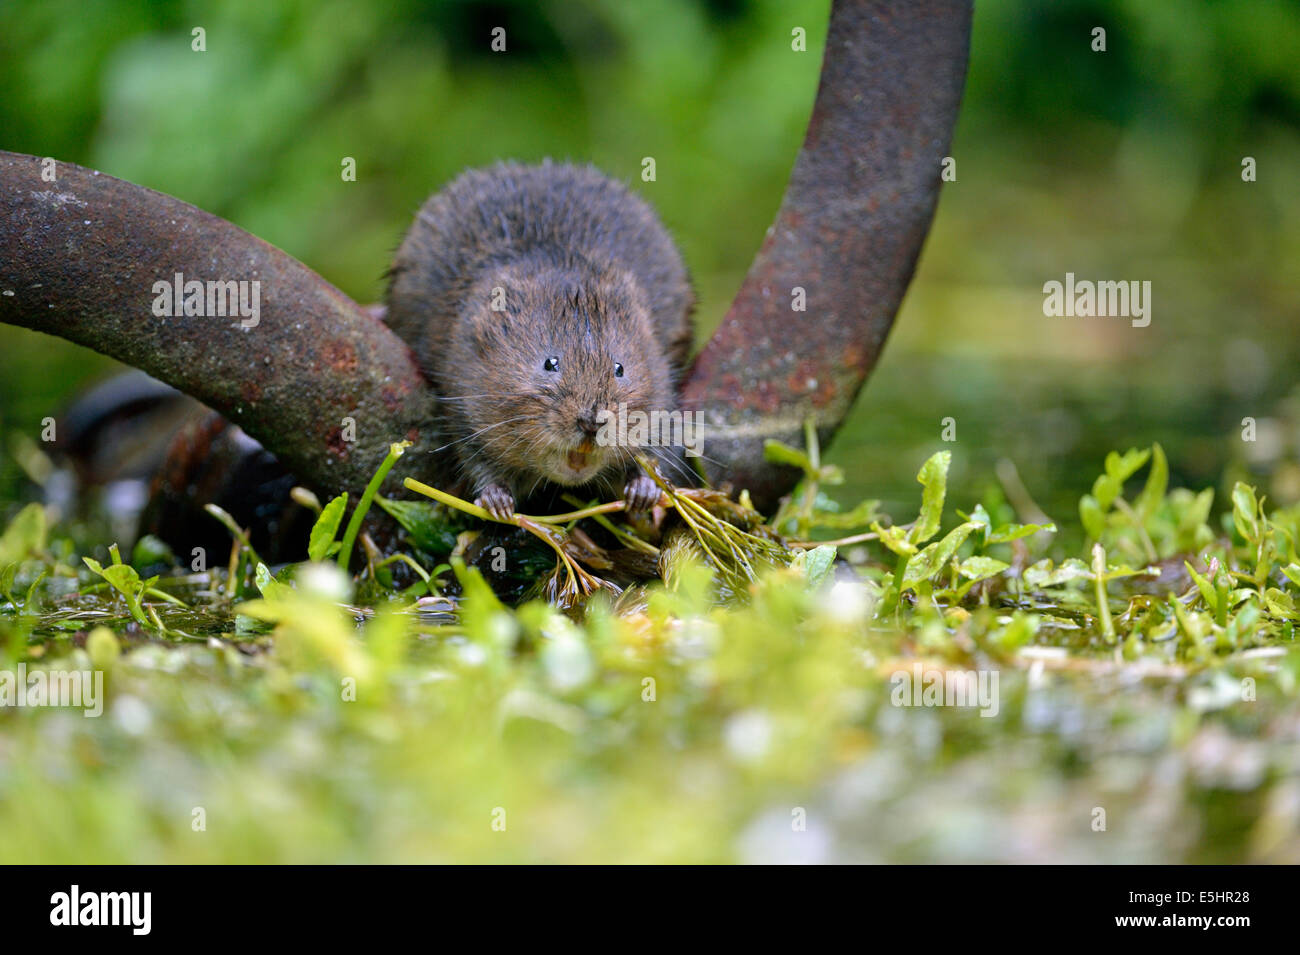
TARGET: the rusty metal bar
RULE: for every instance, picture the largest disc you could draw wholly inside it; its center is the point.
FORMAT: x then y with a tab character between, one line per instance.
850	229
80	256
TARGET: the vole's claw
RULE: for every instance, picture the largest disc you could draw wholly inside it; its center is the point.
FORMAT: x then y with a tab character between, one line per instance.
640	494
497	501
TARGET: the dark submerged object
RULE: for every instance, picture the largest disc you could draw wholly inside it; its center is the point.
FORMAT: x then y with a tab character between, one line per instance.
160	456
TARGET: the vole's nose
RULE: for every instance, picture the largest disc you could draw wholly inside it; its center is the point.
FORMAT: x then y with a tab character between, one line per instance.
587	421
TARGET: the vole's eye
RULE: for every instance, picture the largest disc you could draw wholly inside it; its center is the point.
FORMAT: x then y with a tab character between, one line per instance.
551	364
618	370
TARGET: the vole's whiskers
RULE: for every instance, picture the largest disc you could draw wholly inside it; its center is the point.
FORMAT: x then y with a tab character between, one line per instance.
671	462
476	397
475	434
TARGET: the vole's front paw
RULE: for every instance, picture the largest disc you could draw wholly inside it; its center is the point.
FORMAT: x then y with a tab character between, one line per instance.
497	501
640	493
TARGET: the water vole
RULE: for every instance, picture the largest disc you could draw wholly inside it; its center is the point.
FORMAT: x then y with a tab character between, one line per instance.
535	298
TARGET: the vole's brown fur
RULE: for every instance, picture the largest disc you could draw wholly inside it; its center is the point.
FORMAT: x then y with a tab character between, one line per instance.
580	271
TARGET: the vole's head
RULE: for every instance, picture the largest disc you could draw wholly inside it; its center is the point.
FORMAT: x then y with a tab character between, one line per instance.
565	354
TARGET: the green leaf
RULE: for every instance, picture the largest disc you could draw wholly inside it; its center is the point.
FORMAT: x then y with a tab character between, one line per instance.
1245	511
124	579
1019	632
270	588
1208	593
1042	573
7	574
482	612
150	550
933	477
1193	515
981	568
1012	532
1092	516
1157	483
860	516
780	453
1280	604
817	564
433	527
1119	468
934	558
326	528
25	536
894	538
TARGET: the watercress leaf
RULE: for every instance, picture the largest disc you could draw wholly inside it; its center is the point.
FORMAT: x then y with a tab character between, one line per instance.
780	453
123	577
1042	574
433	527
1280	604
1092	516
830	474
894	538
1245	511
150	550
1206	588
326	528
1119	468
933	478
934	558
1018	632
1193	511
270	588
1013	532
25	536
1153	493
980	568
860	516
817	564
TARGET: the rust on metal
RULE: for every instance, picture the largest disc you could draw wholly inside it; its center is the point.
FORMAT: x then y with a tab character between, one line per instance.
79	258
850	229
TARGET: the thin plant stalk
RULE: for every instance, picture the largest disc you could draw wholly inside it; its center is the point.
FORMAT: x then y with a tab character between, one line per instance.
395	451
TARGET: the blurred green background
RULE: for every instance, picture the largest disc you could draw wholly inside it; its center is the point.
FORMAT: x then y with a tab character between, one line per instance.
1117	165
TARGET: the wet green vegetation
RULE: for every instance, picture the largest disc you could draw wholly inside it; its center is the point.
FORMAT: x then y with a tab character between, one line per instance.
782	700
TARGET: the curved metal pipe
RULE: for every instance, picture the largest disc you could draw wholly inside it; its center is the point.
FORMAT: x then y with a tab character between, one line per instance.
850	229
320	382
